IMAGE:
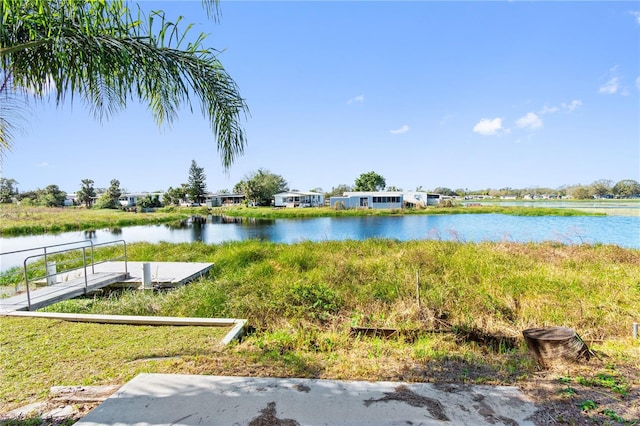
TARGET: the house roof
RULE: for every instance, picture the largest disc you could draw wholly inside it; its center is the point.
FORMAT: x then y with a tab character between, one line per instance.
298	193
373	193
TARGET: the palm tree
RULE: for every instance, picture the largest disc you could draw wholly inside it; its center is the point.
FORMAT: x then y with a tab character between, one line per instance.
107	54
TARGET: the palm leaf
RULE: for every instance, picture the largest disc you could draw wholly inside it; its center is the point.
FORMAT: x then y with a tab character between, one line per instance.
103	53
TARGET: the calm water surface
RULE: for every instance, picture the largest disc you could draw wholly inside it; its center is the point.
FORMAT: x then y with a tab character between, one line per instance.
621	230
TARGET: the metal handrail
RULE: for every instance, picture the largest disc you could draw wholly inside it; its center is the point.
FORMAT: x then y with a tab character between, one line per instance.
84	248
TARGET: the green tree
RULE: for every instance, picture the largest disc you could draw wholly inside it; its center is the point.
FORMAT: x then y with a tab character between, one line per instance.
51	196
261	186
27	197
7	190
110	198
109	53
370	181
580	192
150	201
174	196
445	191
197	185
602	188
626	188
87	192
338	191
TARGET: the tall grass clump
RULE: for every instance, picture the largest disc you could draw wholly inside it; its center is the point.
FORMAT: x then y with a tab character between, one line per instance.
494	287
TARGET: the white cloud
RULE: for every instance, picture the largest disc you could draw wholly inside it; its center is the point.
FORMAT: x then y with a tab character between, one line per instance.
567	107
572	106
611	87
548	110
358	99
488	126
636	14
403	129
530	121
638	83
43	164
564	106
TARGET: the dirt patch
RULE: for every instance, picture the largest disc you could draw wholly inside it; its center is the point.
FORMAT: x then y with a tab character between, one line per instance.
268	418
583	395
404	394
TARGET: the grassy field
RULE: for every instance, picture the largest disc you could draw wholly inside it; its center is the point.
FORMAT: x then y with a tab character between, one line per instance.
17	220
458	308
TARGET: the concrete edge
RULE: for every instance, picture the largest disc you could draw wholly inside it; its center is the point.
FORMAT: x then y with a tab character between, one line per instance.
236	332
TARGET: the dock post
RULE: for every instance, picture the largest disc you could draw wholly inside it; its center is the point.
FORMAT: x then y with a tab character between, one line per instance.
51	273
146	276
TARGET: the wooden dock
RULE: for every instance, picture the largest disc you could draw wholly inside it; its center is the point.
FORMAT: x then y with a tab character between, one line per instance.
72	284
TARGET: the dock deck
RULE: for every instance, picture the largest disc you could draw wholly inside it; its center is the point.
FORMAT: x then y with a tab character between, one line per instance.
48	295
72	284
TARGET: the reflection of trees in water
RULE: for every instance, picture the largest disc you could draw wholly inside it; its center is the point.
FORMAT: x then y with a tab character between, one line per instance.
197	230
242	220
188	222
115	231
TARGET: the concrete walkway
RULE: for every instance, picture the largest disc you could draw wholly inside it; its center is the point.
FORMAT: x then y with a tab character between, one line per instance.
163	399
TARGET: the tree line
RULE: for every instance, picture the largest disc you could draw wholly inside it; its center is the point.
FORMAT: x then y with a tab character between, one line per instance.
260	186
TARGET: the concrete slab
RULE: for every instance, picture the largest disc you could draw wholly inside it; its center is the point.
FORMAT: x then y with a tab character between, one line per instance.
164	399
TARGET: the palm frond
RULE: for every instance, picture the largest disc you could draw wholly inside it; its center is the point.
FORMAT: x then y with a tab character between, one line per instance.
103	53
13	111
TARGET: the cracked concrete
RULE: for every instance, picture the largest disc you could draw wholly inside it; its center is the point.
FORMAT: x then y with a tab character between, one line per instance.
165	399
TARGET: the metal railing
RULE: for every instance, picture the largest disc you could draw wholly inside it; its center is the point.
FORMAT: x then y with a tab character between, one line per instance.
31	265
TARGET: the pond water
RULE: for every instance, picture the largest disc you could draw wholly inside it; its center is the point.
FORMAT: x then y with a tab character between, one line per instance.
620	230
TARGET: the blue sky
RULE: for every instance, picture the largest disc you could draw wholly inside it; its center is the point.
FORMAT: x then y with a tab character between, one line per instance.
433	94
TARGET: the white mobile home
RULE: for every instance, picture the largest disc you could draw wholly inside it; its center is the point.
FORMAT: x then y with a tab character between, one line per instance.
369	200
217	200
421	199
298	199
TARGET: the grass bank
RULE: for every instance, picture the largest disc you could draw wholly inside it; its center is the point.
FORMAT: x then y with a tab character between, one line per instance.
289	213
458	308
17	220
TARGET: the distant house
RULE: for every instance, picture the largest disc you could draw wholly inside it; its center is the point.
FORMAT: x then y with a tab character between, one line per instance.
421	199
217	200
298	199
369	200
71	200
385	200
131	199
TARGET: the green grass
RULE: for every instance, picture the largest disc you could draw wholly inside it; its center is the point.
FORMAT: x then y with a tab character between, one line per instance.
468	302
16	220
38	353
283	213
